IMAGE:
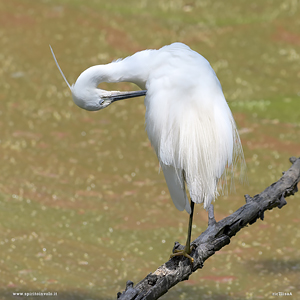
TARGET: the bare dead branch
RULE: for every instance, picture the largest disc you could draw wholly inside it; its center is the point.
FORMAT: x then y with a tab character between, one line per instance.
215	237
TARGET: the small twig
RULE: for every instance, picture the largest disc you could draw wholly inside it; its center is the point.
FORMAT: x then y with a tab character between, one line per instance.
215	237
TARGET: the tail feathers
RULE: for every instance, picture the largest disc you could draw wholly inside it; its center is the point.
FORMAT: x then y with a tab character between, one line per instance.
176	188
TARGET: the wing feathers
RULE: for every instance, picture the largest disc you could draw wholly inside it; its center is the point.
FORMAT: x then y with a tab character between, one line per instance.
176	188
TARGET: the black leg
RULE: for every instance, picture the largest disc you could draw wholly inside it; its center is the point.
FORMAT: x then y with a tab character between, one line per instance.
187	249
188	240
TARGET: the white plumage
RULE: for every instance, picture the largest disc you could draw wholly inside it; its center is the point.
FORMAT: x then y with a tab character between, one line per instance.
188	121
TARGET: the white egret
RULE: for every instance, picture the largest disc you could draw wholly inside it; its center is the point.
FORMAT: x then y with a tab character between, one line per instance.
188	121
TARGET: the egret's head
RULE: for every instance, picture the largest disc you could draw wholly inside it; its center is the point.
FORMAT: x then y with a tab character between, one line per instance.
90	98
85	91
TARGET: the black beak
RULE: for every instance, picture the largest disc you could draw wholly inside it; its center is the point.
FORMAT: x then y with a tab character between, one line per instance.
124	95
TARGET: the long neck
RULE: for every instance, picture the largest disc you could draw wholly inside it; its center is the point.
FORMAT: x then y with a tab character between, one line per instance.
133	69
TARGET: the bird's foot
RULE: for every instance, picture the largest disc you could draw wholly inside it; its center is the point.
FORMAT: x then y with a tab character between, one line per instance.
185	252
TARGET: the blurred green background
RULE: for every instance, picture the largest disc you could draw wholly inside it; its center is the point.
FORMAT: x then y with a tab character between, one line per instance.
83	208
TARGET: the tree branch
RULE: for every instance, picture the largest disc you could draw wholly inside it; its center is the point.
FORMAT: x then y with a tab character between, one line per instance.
215	237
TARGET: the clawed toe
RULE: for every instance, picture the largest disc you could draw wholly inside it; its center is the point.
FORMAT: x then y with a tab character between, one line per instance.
186	253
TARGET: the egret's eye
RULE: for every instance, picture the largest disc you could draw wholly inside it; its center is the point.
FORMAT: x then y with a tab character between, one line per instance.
101	101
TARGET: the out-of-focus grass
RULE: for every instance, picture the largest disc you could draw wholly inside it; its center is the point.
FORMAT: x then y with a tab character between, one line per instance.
82	206
283	110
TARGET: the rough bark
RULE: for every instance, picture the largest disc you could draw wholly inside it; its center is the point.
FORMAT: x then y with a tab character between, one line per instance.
215	237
